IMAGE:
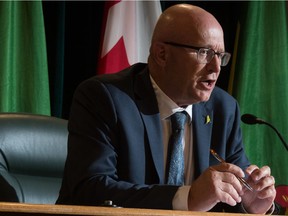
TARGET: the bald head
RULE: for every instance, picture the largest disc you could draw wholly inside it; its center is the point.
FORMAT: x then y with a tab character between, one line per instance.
173	62
186	22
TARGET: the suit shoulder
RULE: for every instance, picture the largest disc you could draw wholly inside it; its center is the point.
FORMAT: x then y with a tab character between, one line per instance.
222	100
122	81
116	78
124	74
220	94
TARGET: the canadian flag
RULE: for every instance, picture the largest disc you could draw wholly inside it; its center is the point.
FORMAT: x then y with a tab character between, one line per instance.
127	33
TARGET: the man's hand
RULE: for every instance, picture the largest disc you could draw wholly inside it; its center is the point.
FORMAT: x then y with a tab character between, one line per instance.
261	199
217	184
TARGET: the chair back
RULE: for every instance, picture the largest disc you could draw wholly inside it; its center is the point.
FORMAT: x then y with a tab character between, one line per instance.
33	151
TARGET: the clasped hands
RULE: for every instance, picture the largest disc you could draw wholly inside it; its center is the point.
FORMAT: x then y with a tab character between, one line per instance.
220	184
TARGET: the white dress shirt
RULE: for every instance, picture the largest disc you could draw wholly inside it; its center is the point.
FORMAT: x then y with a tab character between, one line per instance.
167	107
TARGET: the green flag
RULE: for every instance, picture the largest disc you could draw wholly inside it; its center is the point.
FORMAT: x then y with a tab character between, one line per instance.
261	83
24	84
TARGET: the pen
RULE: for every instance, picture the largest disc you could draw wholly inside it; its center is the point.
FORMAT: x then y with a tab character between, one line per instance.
221	160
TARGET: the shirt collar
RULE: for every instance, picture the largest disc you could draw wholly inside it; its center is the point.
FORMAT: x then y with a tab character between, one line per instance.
167	107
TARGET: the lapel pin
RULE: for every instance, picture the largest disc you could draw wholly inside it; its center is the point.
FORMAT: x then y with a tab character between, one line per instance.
207	119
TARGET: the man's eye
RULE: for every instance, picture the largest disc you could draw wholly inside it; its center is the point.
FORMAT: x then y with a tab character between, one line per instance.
204	52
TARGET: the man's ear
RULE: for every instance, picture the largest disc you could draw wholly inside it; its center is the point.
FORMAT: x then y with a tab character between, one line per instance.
160	53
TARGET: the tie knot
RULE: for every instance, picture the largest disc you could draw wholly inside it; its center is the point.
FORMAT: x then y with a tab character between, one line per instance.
178	120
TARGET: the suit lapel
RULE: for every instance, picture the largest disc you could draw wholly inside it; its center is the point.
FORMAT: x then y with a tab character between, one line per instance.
148	106
202	133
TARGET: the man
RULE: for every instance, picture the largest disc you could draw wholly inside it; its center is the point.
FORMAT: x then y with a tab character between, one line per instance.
119	128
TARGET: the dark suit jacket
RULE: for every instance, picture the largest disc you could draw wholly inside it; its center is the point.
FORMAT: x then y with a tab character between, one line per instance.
115	147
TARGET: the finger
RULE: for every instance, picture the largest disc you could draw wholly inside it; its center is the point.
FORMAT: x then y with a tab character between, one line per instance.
251	168
228	183
265	182
267	193
232	179
231	173
258	174
228	194
228	167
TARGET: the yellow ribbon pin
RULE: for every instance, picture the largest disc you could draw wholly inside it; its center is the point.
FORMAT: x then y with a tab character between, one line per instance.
207	120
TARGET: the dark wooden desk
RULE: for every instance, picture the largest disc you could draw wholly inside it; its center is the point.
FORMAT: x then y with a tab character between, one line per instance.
20	209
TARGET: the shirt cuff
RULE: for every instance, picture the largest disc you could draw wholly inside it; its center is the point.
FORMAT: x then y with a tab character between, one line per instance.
180	200
269	212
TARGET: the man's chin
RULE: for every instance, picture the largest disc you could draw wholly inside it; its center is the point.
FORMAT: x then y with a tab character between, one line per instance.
203	98
196	99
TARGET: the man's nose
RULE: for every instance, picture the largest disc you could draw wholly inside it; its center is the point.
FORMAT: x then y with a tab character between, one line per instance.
215	64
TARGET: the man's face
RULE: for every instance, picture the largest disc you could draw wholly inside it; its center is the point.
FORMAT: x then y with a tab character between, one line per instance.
192	81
